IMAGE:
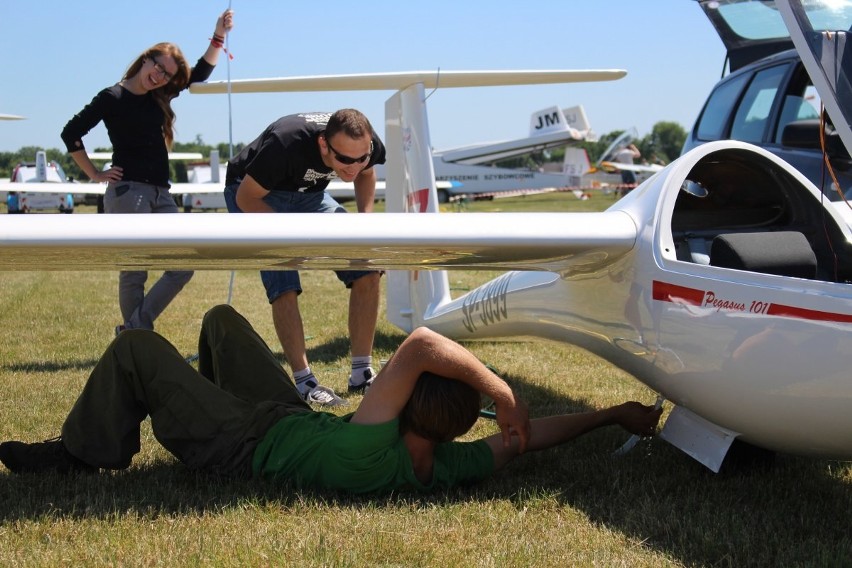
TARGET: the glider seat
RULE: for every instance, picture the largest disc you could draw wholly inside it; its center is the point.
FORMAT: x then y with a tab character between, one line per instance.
783	253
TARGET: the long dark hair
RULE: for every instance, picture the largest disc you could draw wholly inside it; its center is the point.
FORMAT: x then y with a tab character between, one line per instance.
164	95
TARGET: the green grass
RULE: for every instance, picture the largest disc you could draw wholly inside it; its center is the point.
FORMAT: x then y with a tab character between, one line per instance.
576	505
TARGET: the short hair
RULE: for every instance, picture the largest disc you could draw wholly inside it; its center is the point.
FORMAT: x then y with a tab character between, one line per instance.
440	409
351	122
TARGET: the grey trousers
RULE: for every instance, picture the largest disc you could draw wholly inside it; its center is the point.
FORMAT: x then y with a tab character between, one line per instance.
209	419
139	310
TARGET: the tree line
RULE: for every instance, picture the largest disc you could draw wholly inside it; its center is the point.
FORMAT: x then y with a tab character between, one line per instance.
661	146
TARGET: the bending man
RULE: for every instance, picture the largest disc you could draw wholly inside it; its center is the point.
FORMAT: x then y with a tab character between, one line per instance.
286	170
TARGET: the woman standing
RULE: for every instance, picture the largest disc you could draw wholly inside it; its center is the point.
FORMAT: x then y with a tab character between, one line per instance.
139	120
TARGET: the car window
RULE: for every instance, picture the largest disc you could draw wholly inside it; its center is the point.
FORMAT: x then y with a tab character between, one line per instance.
798	107
714	119
752	115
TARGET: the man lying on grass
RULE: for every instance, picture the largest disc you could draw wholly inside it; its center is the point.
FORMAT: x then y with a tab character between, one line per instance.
240	414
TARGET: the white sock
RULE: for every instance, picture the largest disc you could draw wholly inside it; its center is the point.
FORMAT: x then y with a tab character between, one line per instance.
305	380
359	365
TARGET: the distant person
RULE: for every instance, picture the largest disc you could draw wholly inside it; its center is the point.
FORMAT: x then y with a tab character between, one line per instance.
286	170
139	119
13	203
240	415
626	155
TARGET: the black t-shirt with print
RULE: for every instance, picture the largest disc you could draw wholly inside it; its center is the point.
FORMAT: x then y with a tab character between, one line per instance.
134	124
286	156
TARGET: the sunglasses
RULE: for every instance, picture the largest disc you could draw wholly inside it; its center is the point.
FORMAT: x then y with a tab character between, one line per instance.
348	160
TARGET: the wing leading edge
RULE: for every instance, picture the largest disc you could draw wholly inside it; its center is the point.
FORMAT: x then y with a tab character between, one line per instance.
505	241
176	189
402	80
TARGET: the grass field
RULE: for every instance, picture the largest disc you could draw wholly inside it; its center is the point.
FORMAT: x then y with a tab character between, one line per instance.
574	506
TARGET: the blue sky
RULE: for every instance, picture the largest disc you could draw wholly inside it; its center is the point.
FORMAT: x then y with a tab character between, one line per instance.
58	54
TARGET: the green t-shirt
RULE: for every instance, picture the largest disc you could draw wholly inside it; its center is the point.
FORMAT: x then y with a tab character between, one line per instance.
325	451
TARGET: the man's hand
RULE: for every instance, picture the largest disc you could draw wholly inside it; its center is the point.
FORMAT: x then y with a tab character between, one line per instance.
638	418
514	420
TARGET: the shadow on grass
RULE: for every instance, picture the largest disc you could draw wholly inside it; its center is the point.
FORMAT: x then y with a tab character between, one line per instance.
793	511
338	347
796	512
327	352
51	366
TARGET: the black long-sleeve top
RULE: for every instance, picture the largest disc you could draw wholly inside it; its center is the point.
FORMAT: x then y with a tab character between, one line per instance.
134	124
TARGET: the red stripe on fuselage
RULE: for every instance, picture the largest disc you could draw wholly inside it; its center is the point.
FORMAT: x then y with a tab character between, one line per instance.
667	292
803	313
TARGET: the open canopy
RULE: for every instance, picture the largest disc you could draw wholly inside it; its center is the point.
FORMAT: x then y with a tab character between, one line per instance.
820	30
753	29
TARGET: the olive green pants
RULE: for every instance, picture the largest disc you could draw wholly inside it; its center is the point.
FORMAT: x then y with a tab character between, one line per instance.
209	419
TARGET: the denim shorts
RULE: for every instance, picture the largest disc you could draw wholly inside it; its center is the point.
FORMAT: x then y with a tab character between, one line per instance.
278	282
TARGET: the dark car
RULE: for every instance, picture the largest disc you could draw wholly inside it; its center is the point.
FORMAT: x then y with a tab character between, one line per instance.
768	98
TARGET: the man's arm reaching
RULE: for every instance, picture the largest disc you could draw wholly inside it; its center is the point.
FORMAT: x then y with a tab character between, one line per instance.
250	196
552	431
365	190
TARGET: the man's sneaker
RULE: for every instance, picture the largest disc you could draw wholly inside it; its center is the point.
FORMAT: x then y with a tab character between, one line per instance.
50	455
324	396
119	329
360	380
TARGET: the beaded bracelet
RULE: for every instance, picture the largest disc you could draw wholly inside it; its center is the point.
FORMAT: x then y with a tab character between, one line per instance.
218	42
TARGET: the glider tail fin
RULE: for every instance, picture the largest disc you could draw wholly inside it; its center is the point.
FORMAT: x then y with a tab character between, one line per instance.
41	167
410	188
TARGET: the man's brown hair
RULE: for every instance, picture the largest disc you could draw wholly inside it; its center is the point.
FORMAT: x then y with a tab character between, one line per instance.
440	409
351	122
